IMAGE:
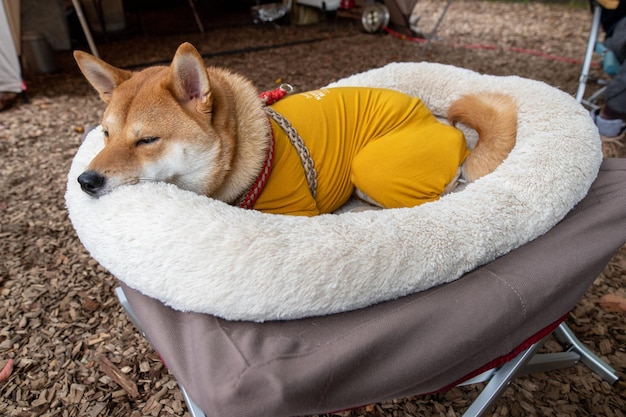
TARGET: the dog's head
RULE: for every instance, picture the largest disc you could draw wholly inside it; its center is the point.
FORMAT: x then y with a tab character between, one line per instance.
160	124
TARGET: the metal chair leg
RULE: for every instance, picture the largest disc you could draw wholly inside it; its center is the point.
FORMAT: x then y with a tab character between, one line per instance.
591	43
564	335
530	362
499	382
193	409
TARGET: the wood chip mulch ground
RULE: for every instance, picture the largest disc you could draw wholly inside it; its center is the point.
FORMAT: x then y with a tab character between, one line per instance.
67	349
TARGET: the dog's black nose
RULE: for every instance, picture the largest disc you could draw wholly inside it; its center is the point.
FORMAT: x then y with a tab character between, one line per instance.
92	182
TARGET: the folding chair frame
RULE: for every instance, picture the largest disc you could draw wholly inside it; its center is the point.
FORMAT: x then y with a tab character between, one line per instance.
499	378
584	76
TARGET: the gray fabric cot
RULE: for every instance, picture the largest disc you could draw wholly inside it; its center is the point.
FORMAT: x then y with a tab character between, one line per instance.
418	344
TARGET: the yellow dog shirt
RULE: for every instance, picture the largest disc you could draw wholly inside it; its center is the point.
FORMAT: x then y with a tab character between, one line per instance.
387	144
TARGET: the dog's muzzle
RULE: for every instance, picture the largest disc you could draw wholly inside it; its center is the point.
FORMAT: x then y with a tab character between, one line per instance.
92	183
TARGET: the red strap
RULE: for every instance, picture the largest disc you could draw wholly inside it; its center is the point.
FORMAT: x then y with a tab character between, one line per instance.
267	97
270	97
250	198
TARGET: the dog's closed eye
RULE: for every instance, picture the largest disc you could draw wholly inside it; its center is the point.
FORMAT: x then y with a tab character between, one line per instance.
147	140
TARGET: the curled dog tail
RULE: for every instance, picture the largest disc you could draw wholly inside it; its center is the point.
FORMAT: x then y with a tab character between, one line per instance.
494	117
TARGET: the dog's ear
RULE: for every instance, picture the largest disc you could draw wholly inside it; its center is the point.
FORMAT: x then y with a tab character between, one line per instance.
189	80
102	76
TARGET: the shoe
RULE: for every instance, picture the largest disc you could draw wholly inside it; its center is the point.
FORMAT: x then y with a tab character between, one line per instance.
607	127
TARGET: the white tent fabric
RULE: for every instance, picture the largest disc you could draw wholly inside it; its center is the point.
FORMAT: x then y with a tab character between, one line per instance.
10	73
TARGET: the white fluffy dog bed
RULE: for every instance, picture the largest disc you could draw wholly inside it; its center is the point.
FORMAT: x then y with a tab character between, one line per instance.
197	254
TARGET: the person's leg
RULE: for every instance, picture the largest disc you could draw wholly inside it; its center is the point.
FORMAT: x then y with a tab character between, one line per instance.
612	116
615	96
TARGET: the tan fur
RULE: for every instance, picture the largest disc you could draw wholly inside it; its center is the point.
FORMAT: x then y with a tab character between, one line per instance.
494	117
205	130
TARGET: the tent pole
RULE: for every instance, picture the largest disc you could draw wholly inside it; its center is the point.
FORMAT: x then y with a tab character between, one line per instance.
432	34
85	26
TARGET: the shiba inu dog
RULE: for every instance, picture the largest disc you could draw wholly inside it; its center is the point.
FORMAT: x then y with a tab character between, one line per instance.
206	130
